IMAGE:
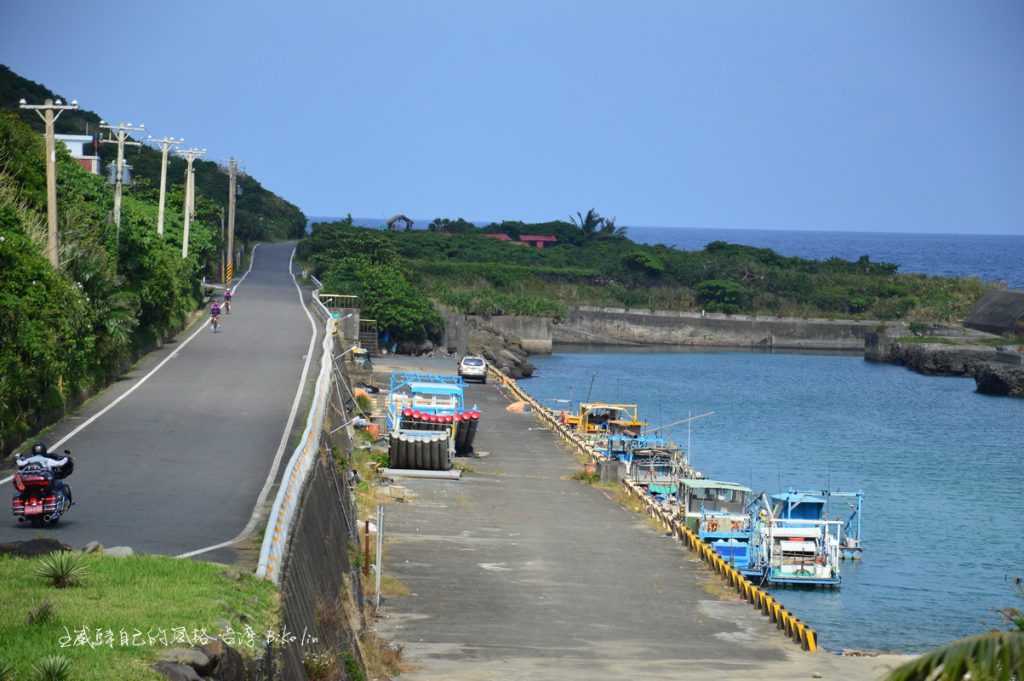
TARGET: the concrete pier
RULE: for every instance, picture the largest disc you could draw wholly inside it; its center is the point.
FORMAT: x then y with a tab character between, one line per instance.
518	571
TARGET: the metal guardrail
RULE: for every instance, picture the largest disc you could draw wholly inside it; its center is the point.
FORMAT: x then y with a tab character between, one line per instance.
289	494
801	633
320	308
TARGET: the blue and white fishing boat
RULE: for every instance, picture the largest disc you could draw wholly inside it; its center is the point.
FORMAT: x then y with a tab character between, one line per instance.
795	542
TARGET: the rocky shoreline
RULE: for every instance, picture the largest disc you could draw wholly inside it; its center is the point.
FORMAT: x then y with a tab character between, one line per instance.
504	351
996	370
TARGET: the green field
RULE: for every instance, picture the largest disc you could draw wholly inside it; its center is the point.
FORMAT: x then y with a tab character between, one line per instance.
141	596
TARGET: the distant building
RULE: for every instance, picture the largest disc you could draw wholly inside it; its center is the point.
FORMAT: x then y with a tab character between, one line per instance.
78	145
400	219
538	240
499	237
998	312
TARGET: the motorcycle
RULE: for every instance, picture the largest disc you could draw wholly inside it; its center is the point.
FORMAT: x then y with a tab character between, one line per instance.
38	500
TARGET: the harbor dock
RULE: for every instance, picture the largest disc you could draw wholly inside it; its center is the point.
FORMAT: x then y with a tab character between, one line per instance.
519	571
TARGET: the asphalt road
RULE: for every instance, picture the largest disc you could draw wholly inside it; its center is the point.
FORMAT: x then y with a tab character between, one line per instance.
179	464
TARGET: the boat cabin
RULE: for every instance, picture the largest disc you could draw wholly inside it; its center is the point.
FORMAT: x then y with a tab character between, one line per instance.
603	417
798	506
715	509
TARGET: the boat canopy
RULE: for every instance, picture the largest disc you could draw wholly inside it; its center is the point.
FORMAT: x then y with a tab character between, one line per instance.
714	484
798	506
798	498
419	388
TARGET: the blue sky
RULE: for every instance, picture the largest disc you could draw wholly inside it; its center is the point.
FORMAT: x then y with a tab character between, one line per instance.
863	115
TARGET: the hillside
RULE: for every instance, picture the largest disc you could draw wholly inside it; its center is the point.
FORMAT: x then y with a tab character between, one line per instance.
66	333
593	262
261	214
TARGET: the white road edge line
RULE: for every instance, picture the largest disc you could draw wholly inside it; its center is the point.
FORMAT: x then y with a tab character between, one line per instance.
262	498
172	355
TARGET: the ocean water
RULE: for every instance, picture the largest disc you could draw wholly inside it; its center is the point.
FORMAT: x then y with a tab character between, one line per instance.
990	257
942	469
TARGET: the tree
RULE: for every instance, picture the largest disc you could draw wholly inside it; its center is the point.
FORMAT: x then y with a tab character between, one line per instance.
609	230
456	226
589	223
722	296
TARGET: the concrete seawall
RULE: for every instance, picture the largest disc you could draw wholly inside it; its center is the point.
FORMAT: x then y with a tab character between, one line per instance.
616	326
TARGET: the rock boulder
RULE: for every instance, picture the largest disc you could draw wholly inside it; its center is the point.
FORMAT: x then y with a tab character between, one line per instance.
32	548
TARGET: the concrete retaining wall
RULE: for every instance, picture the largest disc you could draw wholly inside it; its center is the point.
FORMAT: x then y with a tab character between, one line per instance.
319	586
616	326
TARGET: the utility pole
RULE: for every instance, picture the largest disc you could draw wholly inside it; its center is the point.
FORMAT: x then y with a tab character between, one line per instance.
190	156
165	145
50	111
223	259
232	179
119	136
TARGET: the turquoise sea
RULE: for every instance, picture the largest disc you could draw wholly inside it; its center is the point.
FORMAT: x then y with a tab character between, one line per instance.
942	468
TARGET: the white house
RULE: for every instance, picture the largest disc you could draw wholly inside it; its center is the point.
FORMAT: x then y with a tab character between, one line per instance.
76	145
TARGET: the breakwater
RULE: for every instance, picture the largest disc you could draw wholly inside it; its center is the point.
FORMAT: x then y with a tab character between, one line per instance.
617	326
786	622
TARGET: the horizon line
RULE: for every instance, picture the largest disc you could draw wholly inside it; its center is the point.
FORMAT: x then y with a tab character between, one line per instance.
310	218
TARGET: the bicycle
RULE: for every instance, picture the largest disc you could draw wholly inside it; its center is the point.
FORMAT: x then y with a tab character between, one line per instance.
215	322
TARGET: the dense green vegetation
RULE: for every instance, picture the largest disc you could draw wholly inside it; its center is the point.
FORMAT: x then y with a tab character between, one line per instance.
594	263
64	333
260	214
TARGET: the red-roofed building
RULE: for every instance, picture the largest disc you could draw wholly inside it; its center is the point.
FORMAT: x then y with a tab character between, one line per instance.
499	236
538	240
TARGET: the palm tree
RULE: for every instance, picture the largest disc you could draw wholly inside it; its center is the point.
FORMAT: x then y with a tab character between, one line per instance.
608	228
589	223
995	656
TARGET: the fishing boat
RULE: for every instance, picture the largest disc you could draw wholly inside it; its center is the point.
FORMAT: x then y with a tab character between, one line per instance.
428	422
794	541
714	509
604	418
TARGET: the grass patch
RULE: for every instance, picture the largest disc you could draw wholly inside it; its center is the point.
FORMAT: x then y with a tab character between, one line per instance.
1017	341
383	659
144	594
393	587
586	478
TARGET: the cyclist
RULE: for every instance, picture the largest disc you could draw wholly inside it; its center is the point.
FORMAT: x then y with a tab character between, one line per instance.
227	300
215	315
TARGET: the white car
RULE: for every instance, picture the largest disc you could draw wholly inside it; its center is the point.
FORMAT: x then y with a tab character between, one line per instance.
472	366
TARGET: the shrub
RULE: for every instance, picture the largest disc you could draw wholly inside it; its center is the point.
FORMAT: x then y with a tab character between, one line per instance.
722	296
53	668
364	403
41	614
62	569
319	666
